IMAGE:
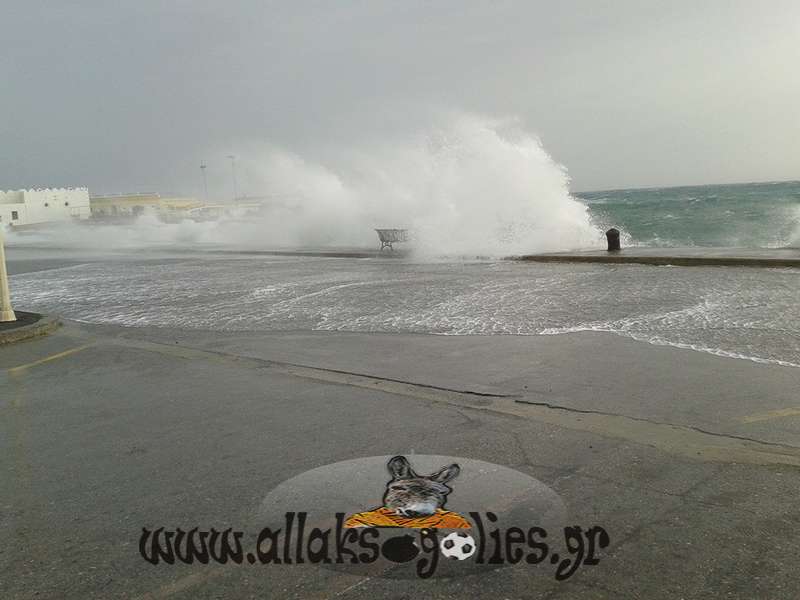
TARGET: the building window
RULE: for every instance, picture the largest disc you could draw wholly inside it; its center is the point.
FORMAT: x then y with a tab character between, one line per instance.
14	215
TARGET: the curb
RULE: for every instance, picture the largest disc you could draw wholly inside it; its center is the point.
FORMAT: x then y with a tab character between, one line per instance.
43	325
665	260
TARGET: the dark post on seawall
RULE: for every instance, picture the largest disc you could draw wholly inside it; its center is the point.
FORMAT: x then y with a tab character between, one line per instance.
612	235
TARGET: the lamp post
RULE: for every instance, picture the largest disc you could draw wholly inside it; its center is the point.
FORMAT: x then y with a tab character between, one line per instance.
205	181
233	172
6	312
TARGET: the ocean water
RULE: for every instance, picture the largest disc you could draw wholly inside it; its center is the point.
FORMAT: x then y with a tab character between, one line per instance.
740	312
753	215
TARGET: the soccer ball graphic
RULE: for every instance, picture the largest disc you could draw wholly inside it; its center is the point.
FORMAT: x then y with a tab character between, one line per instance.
457	545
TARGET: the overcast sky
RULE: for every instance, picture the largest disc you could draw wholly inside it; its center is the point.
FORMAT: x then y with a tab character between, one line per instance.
125	96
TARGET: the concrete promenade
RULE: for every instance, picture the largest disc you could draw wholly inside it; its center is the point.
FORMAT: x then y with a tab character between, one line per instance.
691	462
684	257
32	258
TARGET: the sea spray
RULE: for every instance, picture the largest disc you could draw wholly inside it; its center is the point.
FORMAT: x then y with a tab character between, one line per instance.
470	186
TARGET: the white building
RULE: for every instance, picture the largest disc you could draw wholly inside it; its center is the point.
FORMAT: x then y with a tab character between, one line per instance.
29	207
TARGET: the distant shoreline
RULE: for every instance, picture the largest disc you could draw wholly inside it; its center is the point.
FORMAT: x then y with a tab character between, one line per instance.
681	187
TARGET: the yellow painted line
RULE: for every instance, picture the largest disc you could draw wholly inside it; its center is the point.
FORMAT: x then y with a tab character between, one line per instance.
773	414
47	359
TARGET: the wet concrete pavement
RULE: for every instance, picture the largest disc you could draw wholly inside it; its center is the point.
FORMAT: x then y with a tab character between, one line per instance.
689	461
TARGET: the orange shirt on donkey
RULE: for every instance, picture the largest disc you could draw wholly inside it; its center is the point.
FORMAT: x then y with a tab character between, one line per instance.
413	500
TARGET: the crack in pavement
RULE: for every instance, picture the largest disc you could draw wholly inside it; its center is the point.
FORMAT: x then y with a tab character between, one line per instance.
683	440
653	421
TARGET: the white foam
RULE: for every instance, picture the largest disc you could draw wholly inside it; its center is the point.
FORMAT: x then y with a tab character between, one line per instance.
471	185
749	314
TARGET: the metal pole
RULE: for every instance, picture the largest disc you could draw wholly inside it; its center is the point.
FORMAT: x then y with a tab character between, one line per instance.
6	312
233	171
205	181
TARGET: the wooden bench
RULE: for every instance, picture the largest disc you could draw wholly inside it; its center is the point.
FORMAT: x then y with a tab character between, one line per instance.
391	236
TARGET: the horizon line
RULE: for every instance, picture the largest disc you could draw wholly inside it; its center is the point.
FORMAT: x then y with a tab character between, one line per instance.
684	185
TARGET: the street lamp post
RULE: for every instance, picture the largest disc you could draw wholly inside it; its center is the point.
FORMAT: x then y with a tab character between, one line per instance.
205	181
233	172
6	312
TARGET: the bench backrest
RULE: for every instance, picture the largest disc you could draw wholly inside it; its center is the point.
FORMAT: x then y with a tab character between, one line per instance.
393	235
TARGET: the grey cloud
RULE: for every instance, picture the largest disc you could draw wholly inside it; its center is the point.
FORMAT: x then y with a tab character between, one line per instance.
131	96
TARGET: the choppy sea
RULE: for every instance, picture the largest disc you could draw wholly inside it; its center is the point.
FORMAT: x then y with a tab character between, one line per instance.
753	215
